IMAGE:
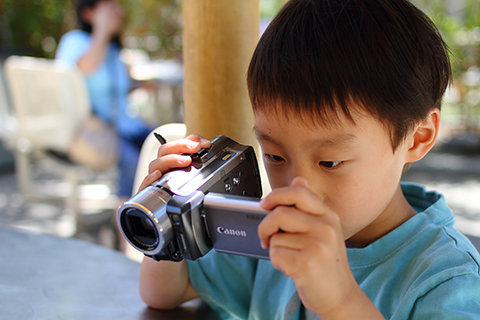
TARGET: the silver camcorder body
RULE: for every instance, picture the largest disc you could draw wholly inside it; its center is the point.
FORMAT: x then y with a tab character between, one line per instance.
213	203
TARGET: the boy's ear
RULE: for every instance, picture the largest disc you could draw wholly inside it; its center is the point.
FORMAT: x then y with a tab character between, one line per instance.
423	137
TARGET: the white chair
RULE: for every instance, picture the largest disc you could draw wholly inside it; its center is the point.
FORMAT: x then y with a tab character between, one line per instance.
49	102
8	123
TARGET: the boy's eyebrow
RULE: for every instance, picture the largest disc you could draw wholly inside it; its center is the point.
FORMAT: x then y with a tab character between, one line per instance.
339	140
336	140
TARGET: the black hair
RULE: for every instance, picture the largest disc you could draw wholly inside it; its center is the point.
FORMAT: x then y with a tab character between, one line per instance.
321	57
85	25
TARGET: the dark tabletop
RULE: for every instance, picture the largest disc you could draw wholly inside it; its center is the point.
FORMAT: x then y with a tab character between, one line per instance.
44	277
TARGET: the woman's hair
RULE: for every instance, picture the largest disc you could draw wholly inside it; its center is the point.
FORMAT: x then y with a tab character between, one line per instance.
318	57
85	25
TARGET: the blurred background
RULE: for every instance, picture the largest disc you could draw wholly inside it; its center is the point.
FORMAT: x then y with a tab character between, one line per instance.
153	34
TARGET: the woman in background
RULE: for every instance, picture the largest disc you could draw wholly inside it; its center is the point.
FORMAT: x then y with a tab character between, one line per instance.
95	49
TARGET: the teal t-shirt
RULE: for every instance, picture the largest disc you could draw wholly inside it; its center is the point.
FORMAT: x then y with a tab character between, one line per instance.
424	269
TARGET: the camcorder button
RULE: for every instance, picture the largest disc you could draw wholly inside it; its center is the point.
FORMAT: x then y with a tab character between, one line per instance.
176	220
236	181
201	156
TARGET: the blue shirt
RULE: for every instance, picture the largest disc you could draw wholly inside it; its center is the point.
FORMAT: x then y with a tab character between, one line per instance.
108	86
424	269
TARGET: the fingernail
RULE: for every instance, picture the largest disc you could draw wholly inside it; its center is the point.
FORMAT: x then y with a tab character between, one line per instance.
262	202
154	174
192	145
263	245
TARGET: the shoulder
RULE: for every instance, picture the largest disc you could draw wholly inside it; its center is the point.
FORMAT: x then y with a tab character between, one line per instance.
449	254
444	272
456	297
434	275
72	45
424	262
437	239
438	251
75	35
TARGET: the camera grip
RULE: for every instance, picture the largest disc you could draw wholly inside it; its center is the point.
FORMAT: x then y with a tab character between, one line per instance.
185	213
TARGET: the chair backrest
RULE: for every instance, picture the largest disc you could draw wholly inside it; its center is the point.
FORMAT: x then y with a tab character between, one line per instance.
50	100
8	123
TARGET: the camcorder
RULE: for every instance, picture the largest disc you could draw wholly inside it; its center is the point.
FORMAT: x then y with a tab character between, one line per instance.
213	203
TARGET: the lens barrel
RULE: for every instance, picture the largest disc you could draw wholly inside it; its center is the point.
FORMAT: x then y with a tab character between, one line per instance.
144	222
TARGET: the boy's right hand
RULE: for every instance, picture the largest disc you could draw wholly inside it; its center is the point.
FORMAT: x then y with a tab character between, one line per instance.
174	155
165	284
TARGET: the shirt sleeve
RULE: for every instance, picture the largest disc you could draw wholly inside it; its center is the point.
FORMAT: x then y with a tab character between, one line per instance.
225	282
456	298
72	46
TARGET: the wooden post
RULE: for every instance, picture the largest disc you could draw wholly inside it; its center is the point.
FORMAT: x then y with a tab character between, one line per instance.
219	39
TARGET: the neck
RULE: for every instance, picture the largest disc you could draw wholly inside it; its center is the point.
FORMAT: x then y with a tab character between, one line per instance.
395	214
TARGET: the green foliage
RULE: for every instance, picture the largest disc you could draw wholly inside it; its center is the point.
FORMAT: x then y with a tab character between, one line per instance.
269	8
154	26
459	23
34	26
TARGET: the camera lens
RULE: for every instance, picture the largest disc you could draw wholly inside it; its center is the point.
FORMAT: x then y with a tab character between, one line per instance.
144	222
139	229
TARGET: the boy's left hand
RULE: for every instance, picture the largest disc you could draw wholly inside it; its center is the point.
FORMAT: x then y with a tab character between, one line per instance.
306	244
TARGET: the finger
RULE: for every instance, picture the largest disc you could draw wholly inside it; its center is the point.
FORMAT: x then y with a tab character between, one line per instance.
287	241
149	179
204	143
297	194
287	220
169	162
321	236
191	144
182	146
286	260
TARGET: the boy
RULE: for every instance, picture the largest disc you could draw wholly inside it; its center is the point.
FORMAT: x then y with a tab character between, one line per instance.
345	94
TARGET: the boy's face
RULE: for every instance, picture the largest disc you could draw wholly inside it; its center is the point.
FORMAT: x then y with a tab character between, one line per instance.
351	167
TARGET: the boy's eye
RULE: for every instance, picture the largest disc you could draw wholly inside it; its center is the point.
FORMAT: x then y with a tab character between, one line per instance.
273	158
329	164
